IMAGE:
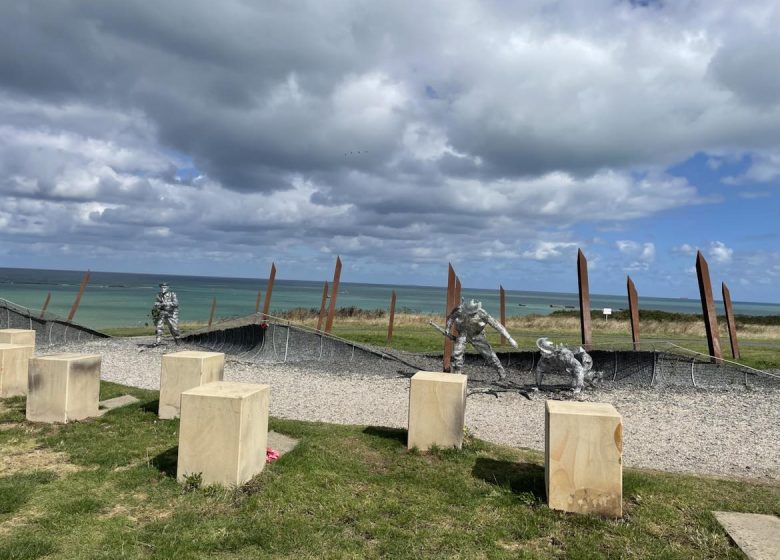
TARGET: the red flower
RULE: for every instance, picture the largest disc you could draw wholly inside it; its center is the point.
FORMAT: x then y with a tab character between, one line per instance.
271	455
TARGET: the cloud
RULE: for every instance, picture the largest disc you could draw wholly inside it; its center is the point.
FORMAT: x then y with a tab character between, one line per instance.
548	249
685	249
485	129
720	253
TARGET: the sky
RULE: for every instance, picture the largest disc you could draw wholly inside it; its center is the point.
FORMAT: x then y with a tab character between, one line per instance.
212	138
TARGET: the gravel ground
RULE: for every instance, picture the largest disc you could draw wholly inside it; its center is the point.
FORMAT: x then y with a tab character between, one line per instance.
731	432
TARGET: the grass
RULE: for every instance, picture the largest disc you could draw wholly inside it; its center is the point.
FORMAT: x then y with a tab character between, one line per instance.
759	336
344	492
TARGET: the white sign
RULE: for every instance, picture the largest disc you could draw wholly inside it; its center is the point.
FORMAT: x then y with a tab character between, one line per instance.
607	311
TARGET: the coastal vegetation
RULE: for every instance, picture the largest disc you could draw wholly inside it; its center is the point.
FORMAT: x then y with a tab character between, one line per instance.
106	488
759	336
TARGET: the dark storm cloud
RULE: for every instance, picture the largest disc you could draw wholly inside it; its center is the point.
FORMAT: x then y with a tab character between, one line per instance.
372	128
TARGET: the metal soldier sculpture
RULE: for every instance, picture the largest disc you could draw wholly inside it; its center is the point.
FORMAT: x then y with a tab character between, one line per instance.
559	358
166	310
470	321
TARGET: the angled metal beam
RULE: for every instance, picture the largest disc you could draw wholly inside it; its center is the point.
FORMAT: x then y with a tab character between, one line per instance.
502	310
213	309
268	291
633	311
333	293
77	301
391	321
708	308
448	305
323	305
45	305
731	321
582	281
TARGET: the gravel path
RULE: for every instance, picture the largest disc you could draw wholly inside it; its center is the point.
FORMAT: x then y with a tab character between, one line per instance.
727	432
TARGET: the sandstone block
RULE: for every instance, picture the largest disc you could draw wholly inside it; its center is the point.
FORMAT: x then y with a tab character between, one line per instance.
437	410
583	466
23	337
184	370
63	387
223	432
13	369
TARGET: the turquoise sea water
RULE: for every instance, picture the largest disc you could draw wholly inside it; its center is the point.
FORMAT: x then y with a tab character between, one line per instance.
115	299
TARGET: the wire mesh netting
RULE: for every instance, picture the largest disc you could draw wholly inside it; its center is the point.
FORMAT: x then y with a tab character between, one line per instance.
49	329
657	364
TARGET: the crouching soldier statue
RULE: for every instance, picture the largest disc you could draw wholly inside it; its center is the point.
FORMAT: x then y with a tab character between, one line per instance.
558	359
470	320
166	310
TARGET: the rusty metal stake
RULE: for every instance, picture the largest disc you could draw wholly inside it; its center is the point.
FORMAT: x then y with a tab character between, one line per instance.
502	310
334	291
77	301
582	281
730	321
213	309
708	308
633	311
321	317
447	358
268	290
391	321
45	305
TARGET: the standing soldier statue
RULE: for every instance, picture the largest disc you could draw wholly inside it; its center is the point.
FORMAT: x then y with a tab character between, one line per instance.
166	310
470	320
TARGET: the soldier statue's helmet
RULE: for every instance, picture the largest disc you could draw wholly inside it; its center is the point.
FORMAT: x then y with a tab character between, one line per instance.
472	306
163	284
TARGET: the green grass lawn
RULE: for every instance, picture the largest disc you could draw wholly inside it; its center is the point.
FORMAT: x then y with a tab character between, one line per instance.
105	488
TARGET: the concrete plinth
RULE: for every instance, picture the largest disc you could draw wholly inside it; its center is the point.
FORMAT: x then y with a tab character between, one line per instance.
24	337
223	432
437	410
63	387
583	465
184	370
13	369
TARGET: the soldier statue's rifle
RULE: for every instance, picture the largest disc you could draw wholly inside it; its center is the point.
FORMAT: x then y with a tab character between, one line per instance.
442	331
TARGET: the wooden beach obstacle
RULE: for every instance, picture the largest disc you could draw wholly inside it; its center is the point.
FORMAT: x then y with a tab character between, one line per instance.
583	465
334	292
213	309
181	371
223	432
391	320
14	359
437	410
268	291
63	387
708	308
633	311
584	297
452	299
502	311
77	301
323	306
730	321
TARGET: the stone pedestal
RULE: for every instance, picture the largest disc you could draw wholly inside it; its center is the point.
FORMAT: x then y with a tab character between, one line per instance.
23	337
63	387
13	369
182	371
437	410
583	465
223	432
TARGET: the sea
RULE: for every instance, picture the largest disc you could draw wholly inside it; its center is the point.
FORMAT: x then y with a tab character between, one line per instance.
117	299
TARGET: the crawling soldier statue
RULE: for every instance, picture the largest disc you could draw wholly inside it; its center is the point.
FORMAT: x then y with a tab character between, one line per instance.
559	358
166	310
469	319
